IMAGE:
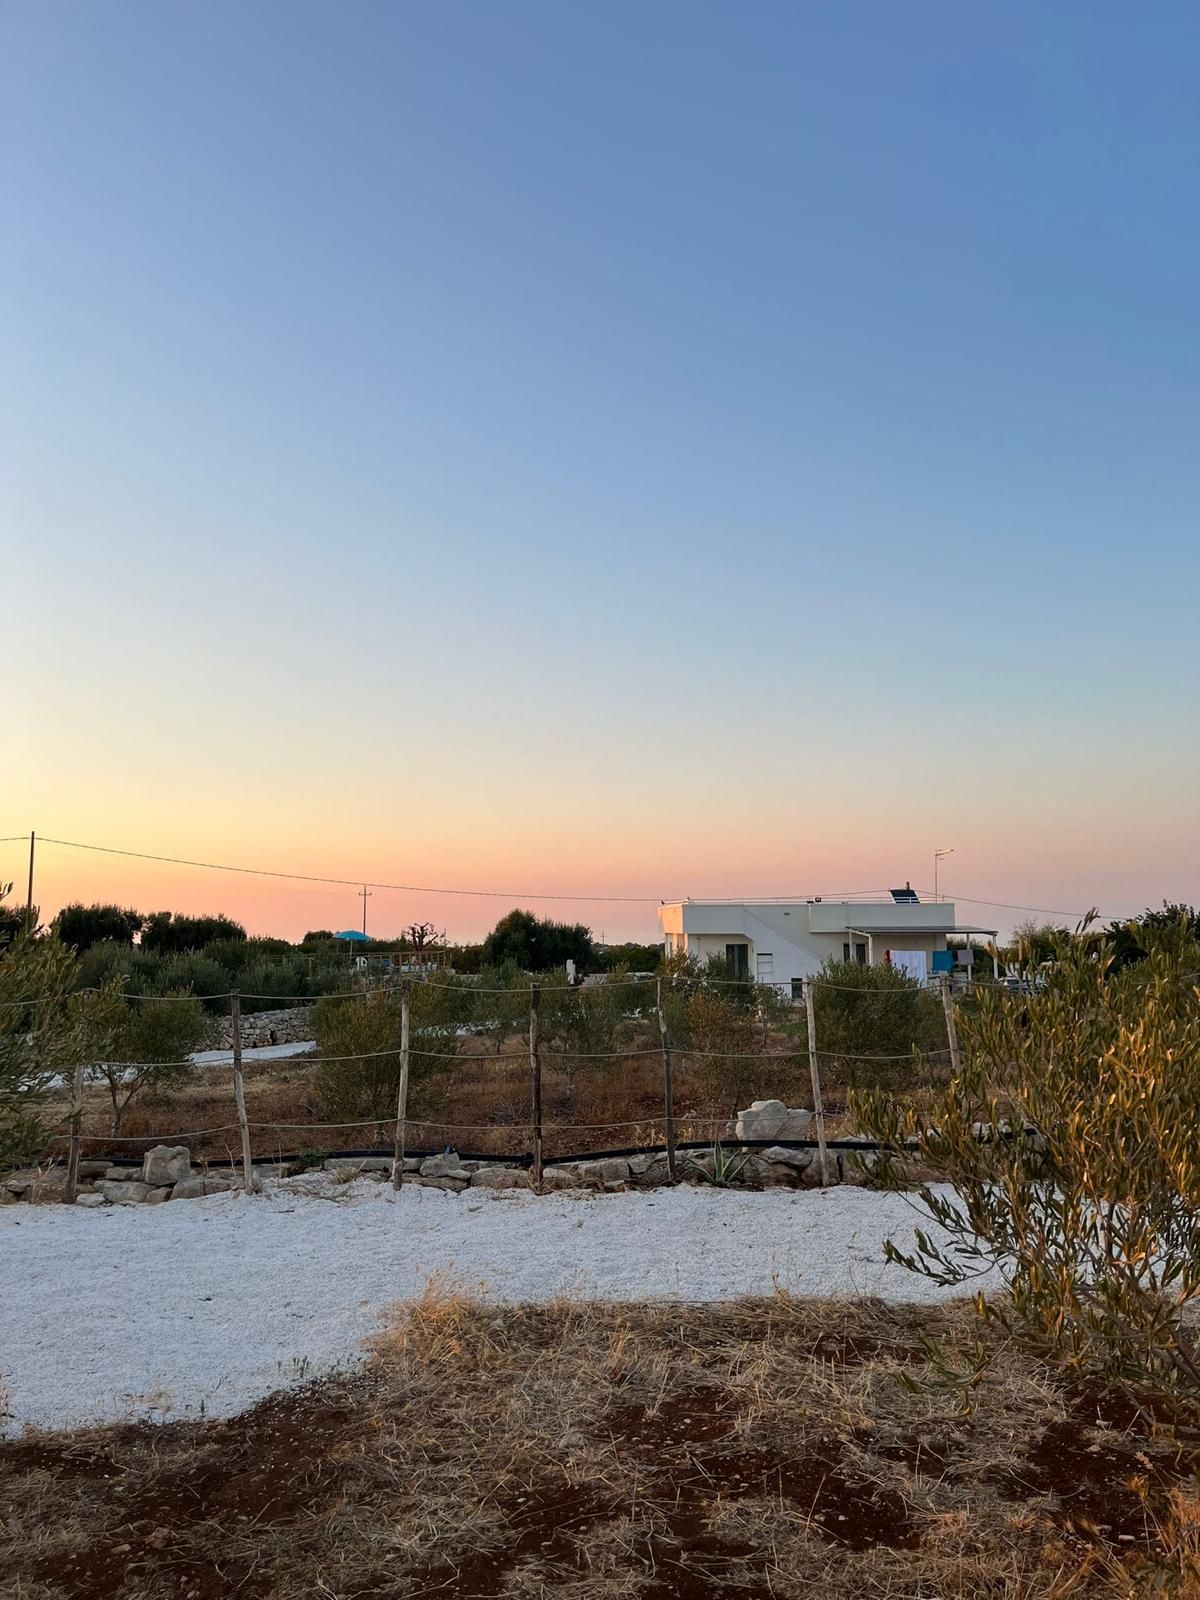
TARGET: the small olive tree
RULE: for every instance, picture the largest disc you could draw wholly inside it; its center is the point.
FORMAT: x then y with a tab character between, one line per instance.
40	1037
585	1024
874	1023
360	1037
134	1046
1069	1145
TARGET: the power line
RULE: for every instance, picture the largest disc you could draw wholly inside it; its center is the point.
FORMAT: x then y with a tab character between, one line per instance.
356	883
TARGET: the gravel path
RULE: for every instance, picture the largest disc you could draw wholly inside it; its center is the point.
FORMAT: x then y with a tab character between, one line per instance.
208	1305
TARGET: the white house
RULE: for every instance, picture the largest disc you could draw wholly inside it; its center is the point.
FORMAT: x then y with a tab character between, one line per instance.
782	942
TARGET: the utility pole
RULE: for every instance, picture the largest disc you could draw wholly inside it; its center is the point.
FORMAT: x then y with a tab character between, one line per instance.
29	895
938	855
364	895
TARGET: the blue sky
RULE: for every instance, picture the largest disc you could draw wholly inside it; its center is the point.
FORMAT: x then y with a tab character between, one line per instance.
643	448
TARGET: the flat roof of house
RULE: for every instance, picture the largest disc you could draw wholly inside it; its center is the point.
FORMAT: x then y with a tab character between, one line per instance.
916	932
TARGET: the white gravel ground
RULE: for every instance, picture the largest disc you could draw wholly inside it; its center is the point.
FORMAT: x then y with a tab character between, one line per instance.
256	1052
205	1306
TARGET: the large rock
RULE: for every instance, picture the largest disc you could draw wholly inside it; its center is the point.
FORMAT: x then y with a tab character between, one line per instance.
197	1188
499	1178
447	1165
157	1196
557	1178
452	1185
166	1164
599	1174
788	1158
89	1200
44	1188
125	1194
365	1164
771	1119
93	1168
811	1176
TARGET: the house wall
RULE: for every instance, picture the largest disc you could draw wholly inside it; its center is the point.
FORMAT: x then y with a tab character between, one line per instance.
797	949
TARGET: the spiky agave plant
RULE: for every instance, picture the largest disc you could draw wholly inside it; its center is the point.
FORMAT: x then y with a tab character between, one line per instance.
720	1167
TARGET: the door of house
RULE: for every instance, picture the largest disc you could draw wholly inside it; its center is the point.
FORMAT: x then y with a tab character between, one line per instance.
738	957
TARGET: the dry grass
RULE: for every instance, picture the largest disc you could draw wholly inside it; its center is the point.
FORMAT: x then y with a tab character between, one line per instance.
483	1104
779	1448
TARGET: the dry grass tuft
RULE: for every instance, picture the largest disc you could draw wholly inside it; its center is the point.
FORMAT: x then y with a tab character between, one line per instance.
775	1448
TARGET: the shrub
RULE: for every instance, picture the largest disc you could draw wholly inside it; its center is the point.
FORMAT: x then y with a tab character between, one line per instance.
80	926
269	984
586	1022
197	975
536	944
1093	1219
874	1011
727	1062
144	1044
235	955
171	933
40	1036
365	1035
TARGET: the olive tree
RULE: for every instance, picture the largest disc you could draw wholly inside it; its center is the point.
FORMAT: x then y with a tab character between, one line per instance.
360	1039
875	1023
133	1046
1069	1147
41	1035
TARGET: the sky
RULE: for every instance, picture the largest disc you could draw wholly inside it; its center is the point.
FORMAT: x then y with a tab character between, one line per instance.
613	449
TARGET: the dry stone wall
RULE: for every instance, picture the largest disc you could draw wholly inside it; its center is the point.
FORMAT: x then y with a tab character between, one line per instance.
292	1025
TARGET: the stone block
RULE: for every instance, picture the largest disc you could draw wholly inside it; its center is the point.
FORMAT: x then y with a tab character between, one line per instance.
93	1169
555	1179
125	1194
445	1166
89	1200
771	1119
597	1174
452	1185
499	1178
166	1164
197	1188
789	1158
157	1196
811	1176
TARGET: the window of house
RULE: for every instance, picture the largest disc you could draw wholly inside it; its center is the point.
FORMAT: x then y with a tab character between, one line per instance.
738	957
797	988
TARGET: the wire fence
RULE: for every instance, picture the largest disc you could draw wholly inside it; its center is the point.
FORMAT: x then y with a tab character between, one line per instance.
541	1062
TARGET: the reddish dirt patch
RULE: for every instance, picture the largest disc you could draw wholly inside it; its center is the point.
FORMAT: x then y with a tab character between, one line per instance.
1105	1490
157	1485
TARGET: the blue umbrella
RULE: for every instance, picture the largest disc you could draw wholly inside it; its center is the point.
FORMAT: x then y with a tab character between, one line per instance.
352	933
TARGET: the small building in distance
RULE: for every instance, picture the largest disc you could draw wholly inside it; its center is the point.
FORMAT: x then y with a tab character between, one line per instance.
783	942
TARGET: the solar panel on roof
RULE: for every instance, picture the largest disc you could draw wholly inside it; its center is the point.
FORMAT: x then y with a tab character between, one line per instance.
906	896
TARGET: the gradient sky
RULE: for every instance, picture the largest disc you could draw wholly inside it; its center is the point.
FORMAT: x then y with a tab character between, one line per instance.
621	448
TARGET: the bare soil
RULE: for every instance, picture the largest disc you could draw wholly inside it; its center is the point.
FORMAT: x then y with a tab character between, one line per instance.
768	1449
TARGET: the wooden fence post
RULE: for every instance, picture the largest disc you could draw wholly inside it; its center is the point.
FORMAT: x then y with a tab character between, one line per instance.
239	1090
951	1030
535	1068
402	1092
668	1081
815	1073
72	1184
